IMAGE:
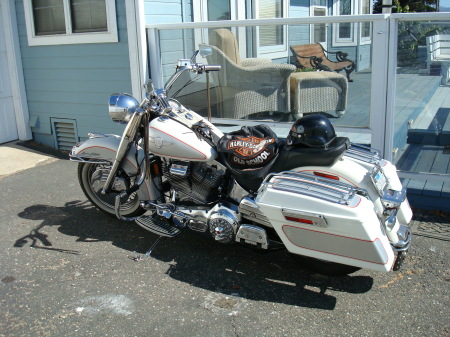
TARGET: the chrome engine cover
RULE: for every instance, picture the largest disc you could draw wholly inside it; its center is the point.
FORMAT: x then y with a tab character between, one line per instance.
223	224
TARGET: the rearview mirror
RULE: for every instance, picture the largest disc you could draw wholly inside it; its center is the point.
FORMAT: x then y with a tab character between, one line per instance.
205	51
149	86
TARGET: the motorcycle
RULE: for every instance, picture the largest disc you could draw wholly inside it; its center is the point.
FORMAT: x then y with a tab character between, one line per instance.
335	205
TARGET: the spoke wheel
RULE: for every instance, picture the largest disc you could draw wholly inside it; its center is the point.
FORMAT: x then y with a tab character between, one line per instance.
92	178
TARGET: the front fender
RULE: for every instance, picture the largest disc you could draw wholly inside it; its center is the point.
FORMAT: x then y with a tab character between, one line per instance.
103	148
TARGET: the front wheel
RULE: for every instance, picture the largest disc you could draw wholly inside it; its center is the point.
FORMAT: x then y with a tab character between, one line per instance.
325	267
92	178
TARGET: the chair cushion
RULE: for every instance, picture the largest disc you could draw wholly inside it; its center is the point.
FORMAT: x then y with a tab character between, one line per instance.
224	40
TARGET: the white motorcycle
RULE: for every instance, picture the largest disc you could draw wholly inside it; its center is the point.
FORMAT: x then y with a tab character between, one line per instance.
338	206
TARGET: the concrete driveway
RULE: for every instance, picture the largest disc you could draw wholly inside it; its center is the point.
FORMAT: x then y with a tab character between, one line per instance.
66	271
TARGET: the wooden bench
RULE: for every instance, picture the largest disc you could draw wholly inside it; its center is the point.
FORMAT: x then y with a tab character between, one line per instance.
315	56
438	52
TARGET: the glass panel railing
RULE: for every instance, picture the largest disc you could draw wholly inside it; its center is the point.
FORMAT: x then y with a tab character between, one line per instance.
422	105
275	83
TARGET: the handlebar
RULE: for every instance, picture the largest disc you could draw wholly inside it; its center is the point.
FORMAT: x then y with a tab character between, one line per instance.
183	65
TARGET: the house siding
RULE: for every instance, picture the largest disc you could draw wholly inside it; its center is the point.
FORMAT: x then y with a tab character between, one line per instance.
298	34
74	81
174	44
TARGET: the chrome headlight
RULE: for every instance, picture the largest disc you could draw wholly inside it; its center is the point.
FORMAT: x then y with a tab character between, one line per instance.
122	107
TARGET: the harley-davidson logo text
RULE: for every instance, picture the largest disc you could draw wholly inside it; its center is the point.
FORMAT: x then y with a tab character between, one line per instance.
250	151
258	160
249	146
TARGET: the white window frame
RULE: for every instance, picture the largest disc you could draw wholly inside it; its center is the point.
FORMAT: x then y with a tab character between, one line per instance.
276	51
311	35
200	13
352	41
69	37
365	39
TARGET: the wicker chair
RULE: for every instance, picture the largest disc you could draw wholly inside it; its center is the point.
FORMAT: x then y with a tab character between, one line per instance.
246	86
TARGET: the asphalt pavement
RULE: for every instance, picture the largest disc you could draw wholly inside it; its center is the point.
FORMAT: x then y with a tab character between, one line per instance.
67	270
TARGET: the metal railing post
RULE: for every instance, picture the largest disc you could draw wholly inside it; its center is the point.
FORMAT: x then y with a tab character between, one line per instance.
379	85
154	54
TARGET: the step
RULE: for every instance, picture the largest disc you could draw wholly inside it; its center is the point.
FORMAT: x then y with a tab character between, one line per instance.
157	225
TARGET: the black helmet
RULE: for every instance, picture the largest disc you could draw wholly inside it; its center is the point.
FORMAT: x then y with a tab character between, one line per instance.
312	131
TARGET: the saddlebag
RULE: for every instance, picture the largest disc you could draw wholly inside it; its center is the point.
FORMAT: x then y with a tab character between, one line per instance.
325	219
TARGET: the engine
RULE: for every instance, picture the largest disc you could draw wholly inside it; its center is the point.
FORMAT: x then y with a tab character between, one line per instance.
200	184
196	183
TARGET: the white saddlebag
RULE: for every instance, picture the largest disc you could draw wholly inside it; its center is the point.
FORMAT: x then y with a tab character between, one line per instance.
325	219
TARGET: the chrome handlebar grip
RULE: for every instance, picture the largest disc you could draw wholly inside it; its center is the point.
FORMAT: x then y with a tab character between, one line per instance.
212	67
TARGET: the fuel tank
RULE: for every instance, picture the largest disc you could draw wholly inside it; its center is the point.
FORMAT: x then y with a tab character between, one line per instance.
171	139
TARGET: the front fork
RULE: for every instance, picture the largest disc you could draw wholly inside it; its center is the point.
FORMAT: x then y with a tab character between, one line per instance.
127	138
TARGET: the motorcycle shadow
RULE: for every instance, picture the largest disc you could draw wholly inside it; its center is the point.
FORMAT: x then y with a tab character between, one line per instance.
197	259
236	270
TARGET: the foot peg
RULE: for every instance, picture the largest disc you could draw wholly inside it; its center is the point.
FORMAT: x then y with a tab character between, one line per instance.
157	225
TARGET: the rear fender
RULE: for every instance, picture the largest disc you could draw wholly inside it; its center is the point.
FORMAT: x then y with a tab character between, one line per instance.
103	148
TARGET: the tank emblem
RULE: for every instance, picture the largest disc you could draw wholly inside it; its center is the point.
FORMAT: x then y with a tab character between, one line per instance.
159	142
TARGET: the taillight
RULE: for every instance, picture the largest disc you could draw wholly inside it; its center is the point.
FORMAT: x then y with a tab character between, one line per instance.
326	175
290	218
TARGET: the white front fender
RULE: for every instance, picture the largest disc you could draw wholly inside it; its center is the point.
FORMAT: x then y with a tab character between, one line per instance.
103	148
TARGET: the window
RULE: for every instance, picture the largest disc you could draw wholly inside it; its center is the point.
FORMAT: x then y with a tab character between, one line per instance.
319	31
51	22
219	10
344	34
271	39
366	27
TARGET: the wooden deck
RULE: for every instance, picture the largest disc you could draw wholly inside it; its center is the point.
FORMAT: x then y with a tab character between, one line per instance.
427	151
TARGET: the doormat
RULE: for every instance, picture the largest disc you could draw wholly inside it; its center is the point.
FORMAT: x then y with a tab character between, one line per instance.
432	224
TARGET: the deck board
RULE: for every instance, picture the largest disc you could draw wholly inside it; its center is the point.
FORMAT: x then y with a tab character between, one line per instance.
424	164
440	165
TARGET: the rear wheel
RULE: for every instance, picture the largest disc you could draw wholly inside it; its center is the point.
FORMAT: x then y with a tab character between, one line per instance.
325	267
92	178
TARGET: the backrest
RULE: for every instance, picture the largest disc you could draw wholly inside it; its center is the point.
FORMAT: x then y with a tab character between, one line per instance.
438	45
432	47
308	50
444	44
225	40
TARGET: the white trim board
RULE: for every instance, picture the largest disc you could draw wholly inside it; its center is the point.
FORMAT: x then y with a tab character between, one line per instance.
8	12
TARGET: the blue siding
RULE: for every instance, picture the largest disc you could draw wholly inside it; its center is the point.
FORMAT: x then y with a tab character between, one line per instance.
298	34
74	81
174	44
168	11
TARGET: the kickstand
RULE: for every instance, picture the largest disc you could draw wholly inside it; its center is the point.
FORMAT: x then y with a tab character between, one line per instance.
147	254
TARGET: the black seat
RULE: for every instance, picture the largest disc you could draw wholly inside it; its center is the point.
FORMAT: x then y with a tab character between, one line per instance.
291	157
283	157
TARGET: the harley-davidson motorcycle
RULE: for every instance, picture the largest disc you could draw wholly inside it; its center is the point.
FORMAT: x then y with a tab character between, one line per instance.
336	206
